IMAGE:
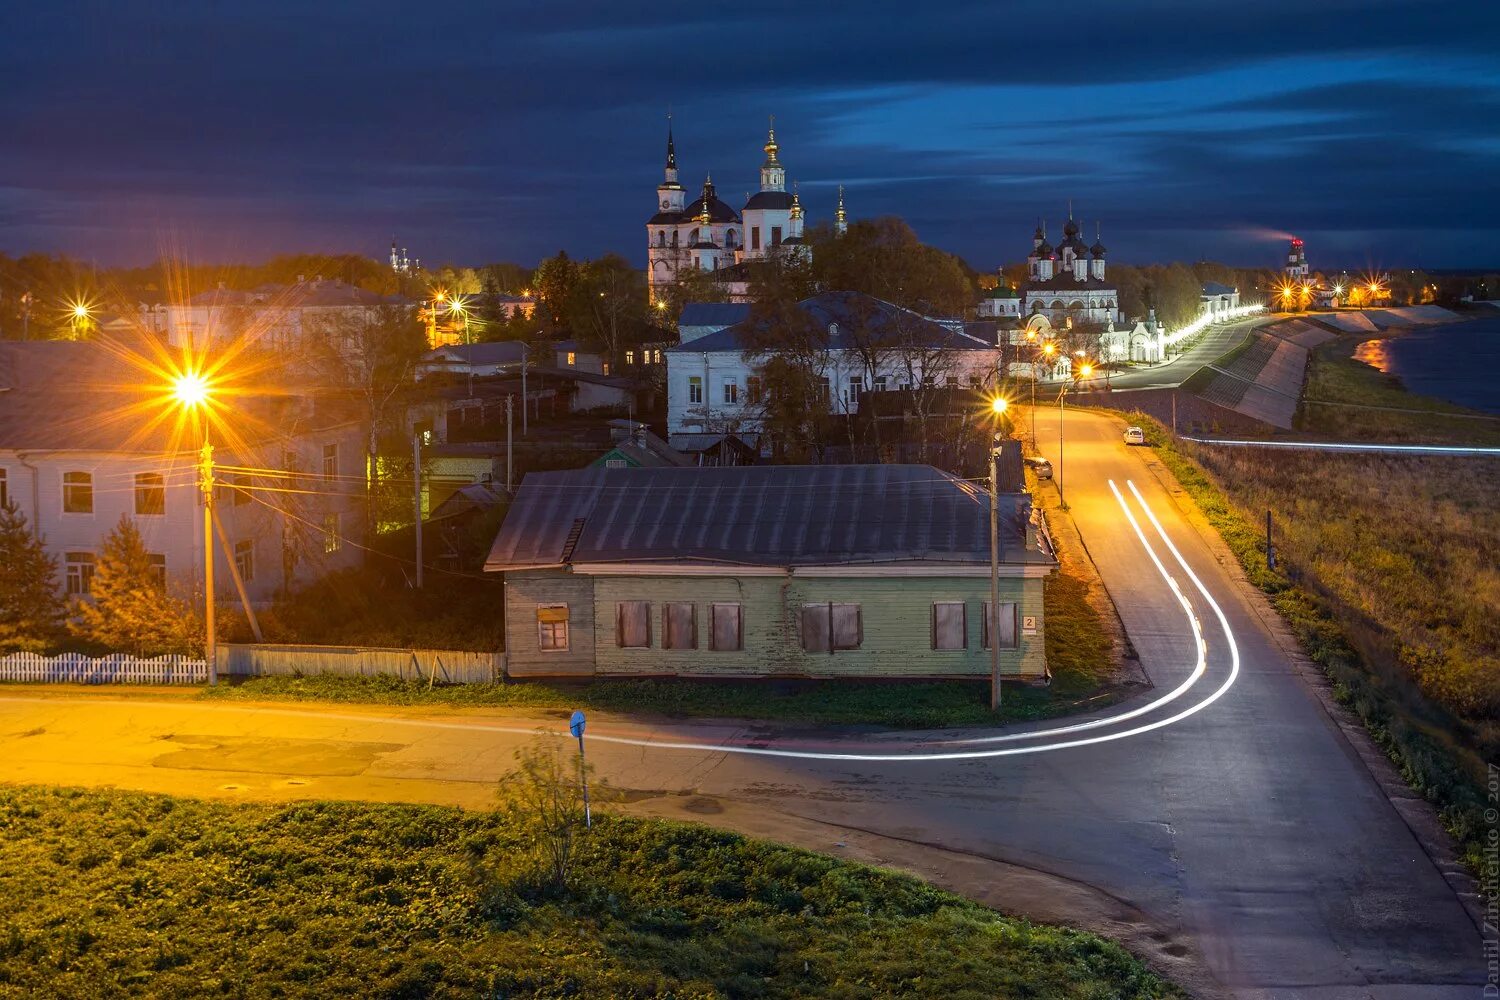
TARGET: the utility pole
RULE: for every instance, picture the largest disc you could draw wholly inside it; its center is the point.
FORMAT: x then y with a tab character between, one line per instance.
1270	549
994	615
523	388
1174	413
1062	392
206	485
416	478
509	404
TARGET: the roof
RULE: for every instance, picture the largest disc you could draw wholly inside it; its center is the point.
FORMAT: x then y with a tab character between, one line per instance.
648	451
757	515
473	496
719	314
1214	288
318	292
1065	282
768	200
718	211
494	352
842	313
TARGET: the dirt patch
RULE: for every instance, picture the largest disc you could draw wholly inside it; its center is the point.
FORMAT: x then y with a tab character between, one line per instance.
314	758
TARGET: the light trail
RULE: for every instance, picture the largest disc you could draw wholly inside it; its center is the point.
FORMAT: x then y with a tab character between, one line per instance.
1409	449
726	748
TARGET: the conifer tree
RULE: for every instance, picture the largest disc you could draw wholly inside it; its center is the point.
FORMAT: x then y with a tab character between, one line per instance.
31	609
128	608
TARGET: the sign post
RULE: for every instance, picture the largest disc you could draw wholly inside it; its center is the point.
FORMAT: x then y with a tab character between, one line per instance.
576	726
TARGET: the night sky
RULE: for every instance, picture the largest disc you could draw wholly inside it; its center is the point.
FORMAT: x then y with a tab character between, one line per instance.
496	131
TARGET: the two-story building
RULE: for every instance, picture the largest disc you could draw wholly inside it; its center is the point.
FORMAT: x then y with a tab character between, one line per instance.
768	571
273	317
86	438
858	344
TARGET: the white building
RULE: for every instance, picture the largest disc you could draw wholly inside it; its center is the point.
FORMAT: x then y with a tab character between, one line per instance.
709	235
78	452
275	317
1220	302
715	386
1295	268
1068	283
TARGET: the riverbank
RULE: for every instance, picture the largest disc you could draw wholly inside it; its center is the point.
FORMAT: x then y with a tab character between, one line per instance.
1455	362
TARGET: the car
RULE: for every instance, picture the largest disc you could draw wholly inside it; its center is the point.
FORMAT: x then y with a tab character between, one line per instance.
1039	466
1134	435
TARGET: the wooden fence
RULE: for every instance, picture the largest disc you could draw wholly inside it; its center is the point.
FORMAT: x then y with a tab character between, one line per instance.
117	668
443	666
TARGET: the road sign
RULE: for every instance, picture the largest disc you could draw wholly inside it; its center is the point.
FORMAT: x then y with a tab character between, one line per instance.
576	724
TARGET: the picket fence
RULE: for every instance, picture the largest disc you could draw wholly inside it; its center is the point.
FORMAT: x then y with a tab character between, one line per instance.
116	668
441	666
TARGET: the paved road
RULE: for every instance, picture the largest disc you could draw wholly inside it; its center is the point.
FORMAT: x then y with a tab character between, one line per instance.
1250	835
1213	345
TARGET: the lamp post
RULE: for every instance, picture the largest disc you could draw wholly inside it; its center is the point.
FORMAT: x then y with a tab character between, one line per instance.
190	390
1048	349
998	406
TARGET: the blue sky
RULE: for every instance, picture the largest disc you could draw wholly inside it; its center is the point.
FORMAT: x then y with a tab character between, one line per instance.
488	131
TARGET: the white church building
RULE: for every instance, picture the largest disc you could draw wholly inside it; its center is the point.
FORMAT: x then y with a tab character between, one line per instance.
709	235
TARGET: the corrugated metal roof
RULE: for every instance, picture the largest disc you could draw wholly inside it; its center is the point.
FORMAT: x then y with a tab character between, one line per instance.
719	314
758	516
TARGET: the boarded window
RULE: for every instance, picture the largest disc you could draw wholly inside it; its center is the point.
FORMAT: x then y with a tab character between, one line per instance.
830	627
1007	625
633	624
727	632
679	625
552	627
949	625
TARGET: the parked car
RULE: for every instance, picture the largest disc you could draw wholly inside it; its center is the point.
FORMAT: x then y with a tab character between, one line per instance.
1040	466
1134	435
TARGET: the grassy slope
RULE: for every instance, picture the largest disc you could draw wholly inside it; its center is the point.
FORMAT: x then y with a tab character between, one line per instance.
1334	376
109	893
1342	528
1078	648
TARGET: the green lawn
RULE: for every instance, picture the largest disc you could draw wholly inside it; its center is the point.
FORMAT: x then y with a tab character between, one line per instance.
1077	649
111	893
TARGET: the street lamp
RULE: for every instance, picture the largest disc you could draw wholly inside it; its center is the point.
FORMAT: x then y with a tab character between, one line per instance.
191	392
998	406
1048	349
1084	371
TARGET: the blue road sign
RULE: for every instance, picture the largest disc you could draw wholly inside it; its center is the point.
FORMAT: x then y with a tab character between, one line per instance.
576	724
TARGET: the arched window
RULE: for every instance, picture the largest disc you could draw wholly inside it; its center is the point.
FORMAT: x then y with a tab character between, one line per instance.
692	237
1056	304
661	237
674	237
729	239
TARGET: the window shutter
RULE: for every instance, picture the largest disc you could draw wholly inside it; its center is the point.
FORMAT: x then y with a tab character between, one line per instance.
633	624
949	625
725	633
679	626
1007	625
847	628
815	628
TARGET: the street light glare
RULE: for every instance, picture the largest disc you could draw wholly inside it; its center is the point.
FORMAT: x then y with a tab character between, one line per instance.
190	389
1087	370
999	404
80	311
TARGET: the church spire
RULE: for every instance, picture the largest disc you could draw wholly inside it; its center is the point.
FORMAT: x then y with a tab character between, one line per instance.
671	151
771	147
796	202
840	217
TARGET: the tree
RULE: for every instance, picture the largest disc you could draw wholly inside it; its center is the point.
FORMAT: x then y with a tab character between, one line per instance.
545	792
788	350
31	610
553	285
606	307
884	258
128	607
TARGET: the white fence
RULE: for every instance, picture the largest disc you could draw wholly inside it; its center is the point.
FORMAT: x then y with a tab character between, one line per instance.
117	668
443	666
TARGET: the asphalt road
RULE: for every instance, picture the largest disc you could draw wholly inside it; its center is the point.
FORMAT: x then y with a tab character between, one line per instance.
1250	836
1213	345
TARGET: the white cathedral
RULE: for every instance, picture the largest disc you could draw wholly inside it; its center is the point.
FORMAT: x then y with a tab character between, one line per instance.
709	235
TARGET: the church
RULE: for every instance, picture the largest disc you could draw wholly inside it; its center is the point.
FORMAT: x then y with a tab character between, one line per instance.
1066	287
709	235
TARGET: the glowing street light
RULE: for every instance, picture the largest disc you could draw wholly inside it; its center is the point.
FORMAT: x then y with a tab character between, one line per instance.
190	389
999	405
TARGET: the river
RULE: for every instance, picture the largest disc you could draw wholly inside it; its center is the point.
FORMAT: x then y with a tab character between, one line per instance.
1459	362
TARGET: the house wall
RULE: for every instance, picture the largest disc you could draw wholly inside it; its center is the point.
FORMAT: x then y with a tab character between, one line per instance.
896	614
524	591
34	481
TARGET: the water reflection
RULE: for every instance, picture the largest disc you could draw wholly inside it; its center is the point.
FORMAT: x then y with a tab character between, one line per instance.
1375	354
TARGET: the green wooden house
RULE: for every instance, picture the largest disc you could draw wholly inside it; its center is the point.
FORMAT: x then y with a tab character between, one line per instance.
767	571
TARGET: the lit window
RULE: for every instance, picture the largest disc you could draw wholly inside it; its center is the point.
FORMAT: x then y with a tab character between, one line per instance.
605	367
244	560
78	493
552	628
332	540
330	461
657	352
150	494
695	389
80	572
572	358
158	563
630	357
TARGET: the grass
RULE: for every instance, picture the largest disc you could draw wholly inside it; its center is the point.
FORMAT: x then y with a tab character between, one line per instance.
1384	580
107	893
1373	406
1078	648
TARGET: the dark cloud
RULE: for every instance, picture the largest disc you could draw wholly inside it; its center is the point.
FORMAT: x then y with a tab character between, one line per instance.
485	131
